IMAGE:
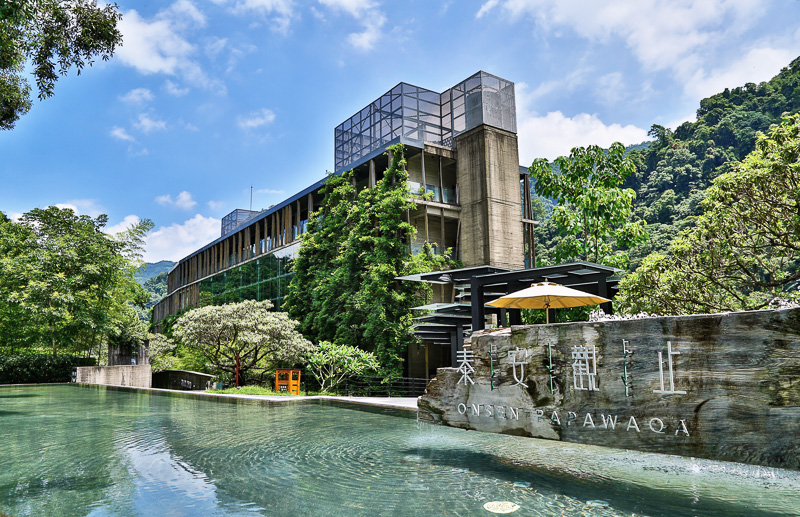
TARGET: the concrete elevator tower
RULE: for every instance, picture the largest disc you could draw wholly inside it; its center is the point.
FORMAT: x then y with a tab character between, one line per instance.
488	173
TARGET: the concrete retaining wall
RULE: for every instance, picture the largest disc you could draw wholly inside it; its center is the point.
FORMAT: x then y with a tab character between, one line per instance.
135	376
727	386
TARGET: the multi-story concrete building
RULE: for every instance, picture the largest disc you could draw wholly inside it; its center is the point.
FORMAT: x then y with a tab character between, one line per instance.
460	145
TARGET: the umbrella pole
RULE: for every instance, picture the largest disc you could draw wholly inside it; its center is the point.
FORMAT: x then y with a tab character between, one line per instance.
547	313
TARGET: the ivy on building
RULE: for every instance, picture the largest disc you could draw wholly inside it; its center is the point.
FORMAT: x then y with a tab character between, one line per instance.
345	288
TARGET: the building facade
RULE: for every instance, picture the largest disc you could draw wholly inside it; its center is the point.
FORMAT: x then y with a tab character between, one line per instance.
461	149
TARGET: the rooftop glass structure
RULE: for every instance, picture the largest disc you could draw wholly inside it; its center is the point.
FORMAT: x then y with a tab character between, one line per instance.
236	219
412	115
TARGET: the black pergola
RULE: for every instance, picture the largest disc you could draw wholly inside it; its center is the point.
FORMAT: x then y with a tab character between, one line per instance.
444	326
584	276
446	323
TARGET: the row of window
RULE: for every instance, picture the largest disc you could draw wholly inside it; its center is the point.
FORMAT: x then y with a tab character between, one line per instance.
265	278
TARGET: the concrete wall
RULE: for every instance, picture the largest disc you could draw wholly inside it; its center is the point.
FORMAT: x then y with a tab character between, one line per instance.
488	182
729	389
123	356
135	376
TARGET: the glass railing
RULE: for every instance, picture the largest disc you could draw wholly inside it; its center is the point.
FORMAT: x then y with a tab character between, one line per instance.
416	249
447	195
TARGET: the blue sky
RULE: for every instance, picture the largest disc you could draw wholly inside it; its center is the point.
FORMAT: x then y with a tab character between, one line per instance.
208	97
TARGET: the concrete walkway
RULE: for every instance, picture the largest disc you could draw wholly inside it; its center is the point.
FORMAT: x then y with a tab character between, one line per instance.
389	402
407	403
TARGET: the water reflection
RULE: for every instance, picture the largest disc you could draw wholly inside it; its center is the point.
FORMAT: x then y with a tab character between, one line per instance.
77	451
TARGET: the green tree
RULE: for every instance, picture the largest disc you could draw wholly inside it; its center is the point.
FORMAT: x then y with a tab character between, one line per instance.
593	211
66	281
52	36
156	288
162	353
331	363
259	337
744	251
345	288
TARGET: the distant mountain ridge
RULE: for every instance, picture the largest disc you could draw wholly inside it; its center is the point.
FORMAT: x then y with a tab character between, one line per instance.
151	269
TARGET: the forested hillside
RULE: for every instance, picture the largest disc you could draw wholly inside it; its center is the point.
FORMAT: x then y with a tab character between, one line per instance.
151	269
153	277
674	171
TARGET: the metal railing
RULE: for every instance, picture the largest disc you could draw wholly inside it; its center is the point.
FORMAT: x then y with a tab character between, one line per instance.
363	386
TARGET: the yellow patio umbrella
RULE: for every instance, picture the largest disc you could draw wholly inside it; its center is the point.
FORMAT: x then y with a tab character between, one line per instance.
547	295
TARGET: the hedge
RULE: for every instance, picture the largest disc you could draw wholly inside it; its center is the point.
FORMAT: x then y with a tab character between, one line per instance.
36	369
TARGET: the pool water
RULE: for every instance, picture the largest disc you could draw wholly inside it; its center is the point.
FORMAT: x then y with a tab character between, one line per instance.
91	451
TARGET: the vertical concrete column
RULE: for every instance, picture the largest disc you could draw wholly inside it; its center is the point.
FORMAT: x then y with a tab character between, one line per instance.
258	237
297	216
425	189
287	224
442	244
422	162
372	180
488	179
225	256
441	182
274	229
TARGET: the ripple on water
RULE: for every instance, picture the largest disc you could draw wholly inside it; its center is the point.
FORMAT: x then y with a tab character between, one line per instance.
162	455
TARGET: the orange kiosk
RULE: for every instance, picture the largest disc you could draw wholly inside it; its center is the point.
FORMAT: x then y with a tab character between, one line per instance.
288	380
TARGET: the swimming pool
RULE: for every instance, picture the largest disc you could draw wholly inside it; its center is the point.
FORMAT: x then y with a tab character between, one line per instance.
75	450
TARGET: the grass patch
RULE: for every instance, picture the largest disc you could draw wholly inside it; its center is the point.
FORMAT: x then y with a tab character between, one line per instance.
261	390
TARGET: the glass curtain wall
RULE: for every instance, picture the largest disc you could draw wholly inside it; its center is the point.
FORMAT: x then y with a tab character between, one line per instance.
265	278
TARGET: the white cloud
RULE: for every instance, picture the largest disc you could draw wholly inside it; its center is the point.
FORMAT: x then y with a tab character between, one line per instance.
216	205
610	88
269	191
485	8
555	134
176	241
83	206
373	29
120	133
147	124
758	64
215	46
152	47
137	96
366	13
660	33
184	12
571	82
183	200
356	8
15	216
174	89
123	225
255	119
159	45
279	12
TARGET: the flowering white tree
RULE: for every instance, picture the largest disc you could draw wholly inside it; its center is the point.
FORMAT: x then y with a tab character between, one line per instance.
331	363
249	330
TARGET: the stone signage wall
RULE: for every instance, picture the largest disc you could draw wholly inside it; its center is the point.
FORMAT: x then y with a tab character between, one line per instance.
722	386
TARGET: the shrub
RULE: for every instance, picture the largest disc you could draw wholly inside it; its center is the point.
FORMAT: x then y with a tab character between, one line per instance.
40	369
